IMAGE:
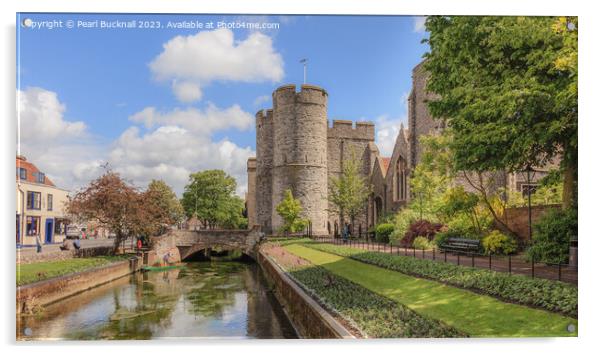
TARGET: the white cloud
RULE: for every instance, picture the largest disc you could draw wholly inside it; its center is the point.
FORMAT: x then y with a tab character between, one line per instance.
404	100
60	148
261	100
419	23
187	91
215	55
203	122
171	153
387	129
41	117
173	144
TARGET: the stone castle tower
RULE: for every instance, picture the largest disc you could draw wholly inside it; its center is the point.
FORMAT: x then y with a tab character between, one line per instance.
292	154
297	150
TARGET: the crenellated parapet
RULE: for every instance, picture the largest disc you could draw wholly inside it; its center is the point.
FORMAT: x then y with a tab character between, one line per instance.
345	129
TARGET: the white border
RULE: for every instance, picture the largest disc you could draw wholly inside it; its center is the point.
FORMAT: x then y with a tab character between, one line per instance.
589	127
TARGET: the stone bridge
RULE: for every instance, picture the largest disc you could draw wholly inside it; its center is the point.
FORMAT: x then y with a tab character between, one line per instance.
182	244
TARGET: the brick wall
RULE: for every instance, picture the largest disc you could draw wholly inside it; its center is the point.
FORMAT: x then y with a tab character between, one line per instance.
518	218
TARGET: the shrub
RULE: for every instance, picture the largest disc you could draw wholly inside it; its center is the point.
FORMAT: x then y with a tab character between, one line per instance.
403	220
422	228
547	294
499	243
463	225
383	231
552	234
422	243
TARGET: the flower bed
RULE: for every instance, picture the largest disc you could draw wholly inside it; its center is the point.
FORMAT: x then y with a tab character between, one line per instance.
374	315
547	294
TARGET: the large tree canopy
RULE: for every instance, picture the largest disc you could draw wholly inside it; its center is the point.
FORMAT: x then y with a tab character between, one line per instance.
507	89
210	196
120	207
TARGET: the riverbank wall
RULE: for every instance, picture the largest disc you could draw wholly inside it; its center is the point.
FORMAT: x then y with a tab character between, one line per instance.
309	318
45	292
58	255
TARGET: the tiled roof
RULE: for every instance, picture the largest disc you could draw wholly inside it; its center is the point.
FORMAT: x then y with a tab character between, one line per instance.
31	169
384	164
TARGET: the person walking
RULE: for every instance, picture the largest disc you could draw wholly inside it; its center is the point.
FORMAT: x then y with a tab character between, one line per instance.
345	233
38	243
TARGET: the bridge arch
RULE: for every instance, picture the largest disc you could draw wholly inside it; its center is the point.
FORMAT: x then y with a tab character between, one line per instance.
179	245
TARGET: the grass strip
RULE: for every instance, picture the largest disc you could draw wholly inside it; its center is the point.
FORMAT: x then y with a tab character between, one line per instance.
33	272
547	294
471	313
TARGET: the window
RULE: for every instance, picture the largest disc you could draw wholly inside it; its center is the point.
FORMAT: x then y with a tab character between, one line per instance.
525	188
34	200
22	173
39	176
400	179
33	225
60	226
49	204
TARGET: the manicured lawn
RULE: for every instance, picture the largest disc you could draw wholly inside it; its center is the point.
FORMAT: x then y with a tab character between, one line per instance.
471	313
30	273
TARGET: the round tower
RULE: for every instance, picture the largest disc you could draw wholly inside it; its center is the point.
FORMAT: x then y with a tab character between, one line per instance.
300	152
265	148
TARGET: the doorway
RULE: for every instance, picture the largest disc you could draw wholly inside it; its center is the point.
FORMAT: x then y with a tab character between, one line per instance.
49	230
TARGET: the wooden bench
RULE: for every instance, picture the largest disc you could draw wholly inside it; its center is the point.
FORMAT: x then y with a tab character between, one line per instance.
461	244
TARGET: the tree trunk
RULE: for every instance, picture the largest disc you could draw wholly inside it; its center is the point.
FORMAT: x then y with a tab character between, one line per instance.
569	190
118	239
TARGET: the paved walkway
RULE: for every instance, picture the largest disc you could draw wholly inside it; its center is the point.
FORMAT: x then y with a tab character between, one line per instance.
516	264
86	243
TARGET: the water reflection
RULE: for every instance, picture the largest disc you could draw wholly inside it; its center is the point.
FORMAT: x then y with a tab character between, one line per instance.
201	300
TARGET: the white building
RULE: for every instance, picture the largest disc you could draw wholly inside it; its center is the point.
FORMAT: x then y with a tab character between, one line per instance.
40	206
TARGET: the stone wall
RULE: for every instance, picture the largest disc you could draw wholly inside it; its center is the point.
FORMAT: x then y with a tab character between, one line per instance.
518	218
48	291
263	180
347	142
250	197
308	317
419	118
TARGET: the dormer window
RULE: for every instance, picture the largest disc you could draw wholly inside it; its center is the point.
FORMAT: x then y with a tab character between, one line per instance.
22	173
39	177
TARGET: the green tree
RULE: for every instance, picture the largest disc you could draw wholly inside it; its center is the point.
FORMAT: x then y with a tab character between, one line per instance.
507	89
349	191
115	204
166	200
210	196
432	176
290	210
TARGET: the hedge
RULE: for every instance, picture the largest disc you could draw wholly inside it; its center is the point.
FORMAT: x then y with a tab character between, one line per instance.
546	294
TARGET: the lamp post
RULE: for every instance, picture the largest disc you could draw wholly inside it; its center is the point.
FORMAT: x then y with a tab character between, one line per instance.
530	175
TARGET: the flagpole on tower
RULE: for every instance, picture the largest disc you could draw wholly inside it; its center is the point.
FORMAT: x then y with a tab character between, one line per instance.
304	62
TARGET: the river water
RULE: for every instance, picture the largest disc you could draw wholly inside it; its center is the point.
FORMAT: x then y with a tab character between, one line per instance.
202	300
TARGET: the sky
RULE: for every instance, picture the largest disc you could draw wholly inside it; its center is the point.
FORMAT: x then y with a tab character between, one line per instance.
175	94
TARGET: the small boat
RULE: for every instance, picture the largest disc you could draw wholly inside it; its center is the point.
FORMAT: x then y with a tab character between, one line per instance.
160	268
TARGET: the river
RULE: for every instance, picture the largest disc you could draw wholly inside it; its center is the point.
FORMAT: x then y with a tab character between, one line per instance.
201	300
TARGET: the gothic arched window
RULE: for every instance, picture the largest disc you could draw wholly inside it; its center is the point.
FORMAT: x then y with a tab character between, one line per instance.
400	179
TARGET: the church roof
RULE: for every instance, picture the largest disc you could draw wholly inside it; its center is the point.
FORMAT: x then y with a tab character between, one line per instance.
384	164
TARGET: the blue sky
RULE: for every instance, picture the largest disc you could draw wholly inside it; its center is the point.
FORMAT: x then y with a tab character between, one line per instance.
155	105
